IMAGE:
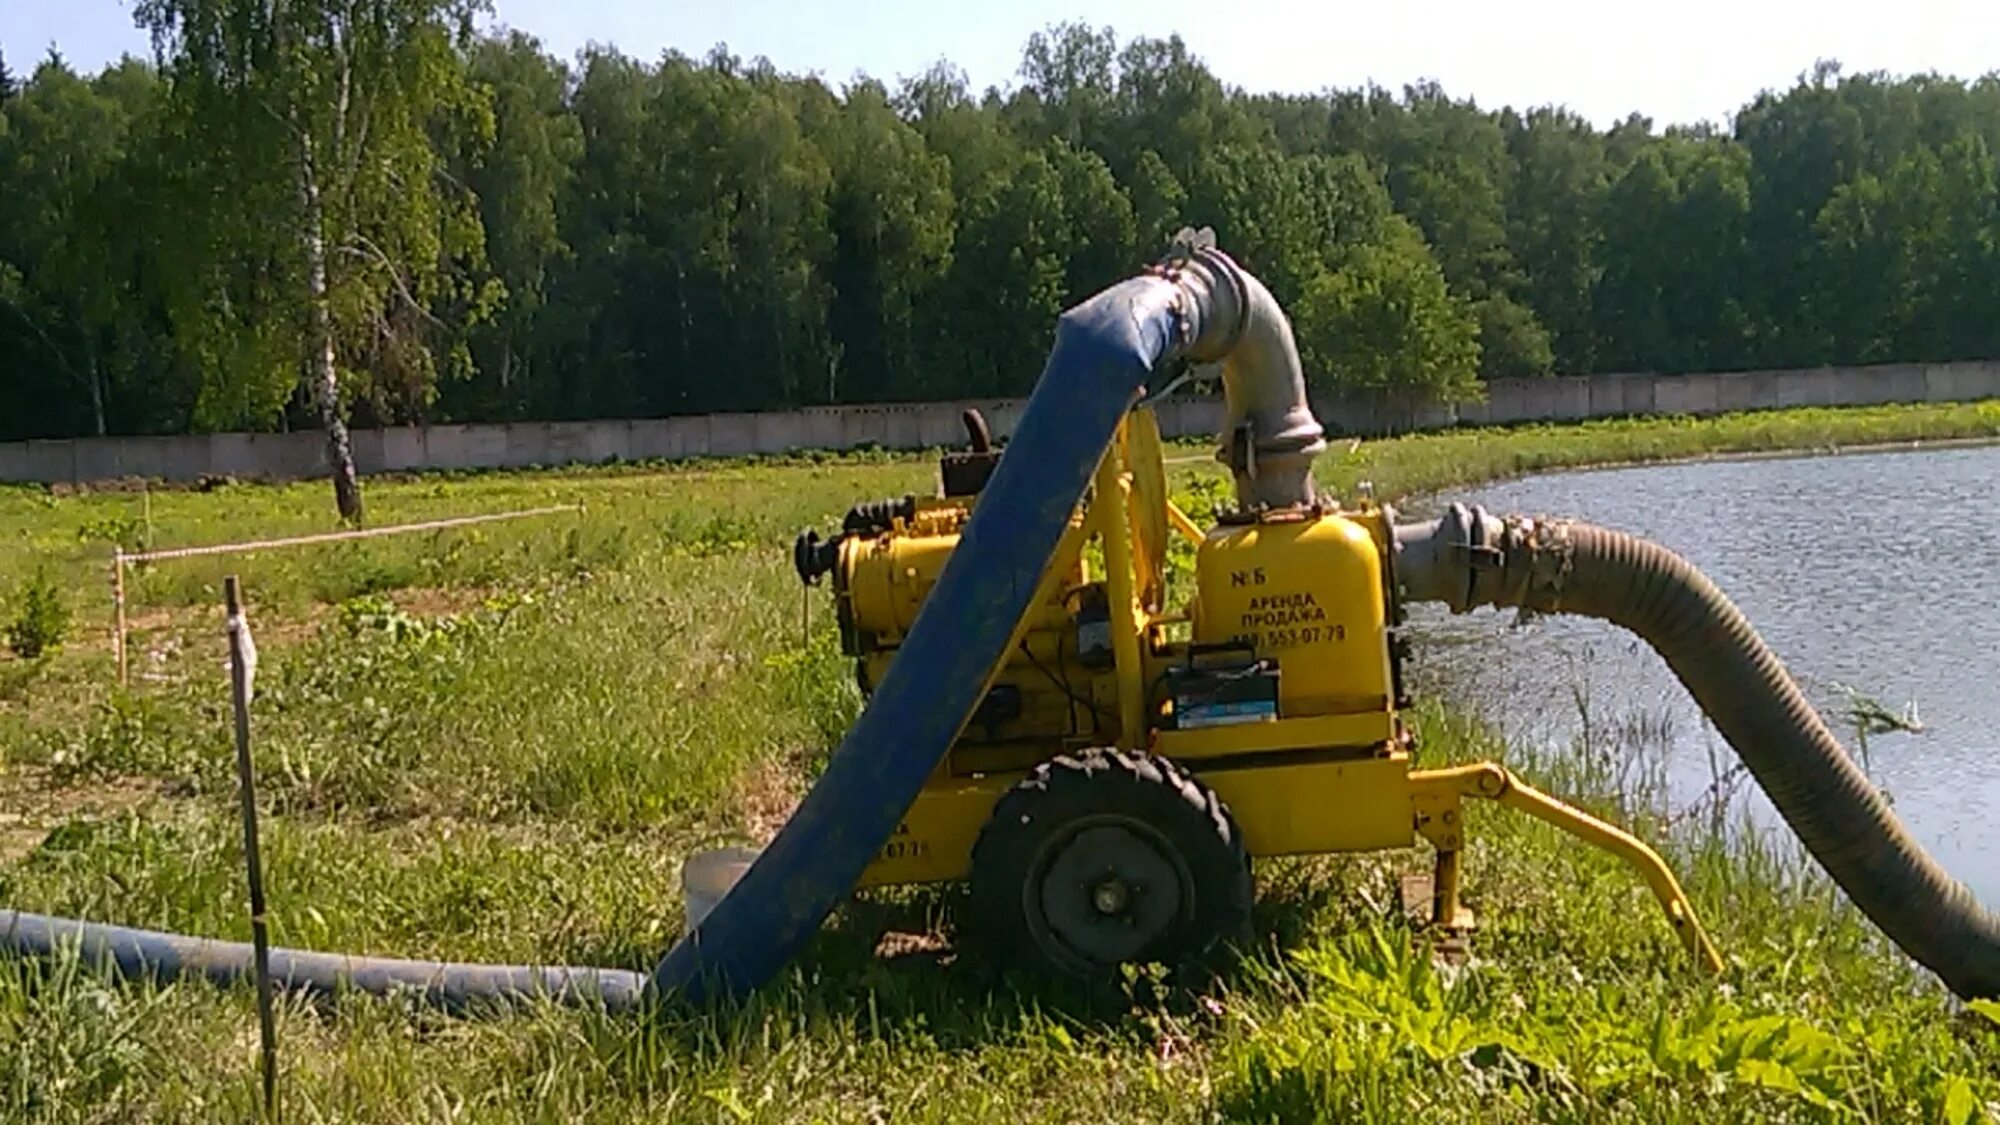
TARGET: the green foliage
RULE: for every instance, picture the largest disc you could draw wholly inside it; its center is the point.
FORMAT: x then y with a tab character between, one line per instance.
1512	343
508	235
1386	324
337	136
41	617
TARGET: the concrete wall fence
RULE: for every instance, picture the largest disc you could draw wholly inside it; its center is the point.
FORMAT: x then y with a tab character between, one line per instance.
914	426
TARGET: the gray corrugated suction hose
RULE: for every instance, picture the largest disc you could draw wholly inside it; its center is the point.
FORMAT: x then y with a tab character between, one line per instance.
1470	559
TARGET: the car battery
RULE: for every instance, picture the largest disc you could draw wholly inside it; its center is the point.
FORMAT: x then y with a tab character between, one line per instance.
1221	693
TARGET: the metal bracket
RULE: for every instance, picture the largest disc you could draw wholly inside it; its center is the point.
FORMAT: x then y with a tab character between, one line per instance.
1434	800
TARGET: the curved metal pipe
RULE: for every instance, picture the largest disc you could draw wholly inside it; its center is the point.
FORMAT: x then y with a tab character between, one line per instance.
1270	436
1469	558
1106	351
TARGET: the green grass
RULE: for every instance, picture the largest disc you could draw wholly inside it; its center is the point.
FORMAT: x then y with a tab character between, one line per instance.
499	744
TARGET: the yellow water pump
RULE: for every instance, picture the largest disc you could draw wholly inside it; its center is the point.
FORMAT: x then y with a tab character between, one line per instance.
1156	725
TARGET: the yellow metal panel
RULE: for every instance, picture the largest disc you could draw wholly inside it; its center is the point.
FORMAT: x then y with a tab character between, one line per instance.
1335	806
934	841
1307	591
889	576
1367	729
1329	806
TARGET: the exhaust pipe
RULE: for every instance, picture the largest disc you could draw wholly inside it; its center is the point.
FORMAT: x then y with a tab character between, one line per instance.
1469	558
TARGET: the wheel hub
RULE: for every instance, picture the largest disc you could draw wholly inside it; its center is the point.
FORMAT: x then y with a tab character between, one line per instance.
1111	896
1108	894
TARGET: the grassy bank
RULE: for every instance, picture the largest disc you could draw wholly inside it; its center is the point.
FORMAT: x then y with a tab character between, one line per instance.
499	743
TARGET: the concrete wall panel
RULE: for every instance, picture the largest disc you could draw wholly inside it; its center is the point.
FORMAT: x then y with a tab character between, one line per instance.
51	461
1614	396
778	431
1686	394
1748	390
1800	388
1572	397
1004	415
822	428
1961	382
690	435
367	446
902	427
241	455
448	447
572	443
864	426
405	448
296	456
941	425
669	439
487	445
732	435
606	441
1854	387
14	462
1904	383
1507	400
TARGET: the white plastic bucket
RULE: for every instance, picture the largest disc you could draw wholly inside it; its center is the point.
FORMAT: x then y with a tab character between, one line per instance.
707	876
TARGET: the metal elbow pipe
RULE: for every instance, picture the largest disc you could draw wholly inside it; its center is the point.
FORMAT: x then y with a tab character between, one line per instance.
1469	558
1270	436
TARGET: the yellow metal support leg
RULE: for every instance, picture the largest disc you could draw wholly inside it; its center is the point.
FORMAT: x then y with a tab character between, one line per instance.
1446	911
1435	796
1108	508
1189	530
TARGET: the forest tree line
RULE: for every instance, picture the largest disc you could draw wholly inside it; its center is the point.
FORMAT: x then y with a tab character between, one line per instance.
414	221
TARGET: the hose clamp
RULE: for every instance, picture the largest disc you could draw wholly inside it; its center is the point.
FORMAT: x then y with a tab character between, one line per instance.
1469	534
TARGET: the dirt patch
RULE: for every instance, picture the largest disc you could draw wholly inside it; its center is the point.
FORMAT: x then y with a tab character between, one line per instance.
31	805
766	796
897	944
158	640
437	601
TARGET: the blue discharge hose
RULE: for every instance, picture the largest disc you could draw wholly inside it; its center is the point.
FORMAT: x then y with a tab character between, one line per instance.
1106	351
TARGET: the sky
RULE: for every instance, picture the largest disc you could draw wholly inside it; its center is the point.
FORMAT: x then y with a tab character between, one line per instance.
1695	60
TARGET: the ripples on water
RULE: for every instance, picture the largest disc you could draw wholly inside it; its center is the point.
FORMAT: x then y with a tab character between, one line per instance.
1879	571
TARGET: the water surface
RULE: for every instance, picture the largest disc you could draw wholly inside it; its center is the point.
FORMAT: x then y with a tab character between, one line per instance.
1875	572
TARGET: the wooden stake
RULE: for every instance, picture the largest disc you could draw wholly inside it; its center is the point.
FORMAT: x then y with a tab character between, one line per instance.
241	669
118	613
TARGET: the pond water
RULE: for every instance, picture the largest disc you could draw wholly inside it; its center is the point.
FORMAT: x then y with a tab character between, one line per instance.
1875	573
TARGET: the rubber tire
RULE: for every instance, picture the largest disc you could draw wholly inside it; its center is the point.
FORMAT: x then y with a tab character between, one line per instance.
1186	814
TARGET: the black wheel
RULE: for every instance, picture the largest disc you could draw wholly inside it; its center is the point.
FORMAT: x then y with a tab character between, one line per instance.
1107	858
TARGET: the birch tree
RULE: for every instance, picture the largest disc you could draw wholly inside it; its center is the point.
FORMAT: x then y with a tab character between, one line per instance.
313	122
